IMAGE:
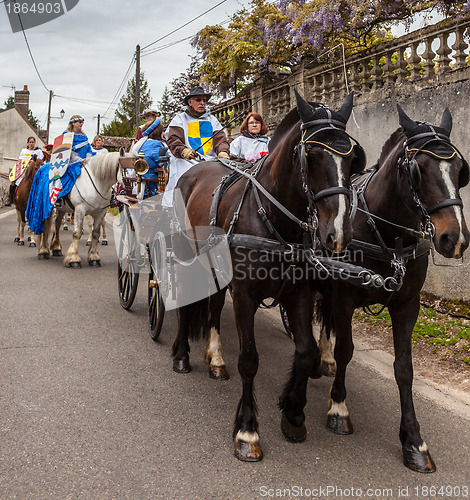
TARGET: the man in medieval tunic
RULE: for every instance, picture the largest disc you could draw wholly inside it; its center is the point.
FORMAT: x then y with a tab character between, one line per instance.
193	134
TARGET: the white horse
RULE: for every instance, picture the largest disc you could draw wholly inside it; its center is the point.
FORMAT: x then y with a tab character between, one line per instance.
104	239
90	195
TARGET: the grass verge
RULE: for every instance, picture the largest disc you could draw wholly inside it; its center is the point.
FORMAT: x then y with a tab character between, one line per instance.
441	331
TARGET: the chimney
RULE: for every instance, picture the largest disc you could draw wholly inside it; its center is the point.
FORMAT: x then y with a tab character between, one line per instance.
22	101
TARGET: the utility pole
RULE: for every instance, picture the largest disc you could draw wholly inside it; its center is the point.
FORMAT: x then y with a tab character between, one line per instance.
137	86
98	127
49	115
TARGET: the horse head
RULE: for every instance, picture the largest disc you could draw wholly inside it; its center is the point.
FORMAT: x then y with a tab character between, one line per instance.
33	166
432	171
327	159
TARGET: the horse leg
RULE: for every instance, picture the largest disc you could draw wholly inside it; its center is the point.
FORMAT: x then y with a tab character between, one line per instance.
192	323
180	349
299	309
326	349
32	239
18	228
338	420
245	433
56	245
416	455
104	239
89	219
213	350
43	239
72	259
20	231
93	255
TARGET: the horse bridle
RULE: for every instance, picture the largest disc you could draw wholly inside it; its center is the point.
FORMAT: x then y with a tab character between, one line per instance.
409	163
325	124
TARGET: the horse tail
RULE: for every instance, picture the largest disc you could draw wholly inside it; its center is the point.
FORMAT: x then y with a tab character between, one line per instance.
198	319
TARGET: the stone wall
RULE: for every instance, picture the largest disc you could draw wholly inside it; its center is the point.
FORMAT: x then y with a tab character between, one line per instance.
424	72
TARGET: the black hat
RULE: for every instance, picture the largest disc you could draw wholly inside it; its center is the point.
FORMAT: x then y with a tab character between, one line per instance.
197	91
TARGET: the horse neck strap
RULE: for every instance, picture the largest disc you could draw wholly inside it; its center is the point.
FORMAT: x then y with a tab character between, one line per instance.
233	166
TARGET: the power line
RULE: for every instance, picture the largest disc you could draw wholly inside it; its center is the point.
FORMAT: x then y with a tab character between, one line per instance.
29	50
162	47
120	86
158	49
81	100
189	22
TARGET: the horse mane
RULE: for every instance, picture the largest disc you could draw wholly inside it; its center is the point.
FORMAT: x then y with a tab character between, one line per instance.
104	166
391	142
279	134
32	168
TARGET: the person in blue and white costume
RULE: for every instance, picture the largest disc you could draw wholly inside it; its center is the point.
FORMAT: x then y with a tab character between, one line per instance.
150	144
253	142
40	201
193	134
81	148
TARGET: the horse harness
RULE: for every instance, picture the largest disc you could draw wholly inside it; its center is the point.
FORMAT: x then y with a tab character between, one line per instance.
294	251
69	201
399	256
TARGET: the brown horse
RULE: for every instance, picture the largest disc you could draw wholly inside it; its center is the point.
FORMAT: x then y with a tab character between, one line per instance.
412	193
21	199
303	178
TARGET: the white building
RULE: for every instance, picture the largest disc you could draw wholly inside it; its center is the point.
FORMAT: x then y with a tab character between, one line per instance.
15	130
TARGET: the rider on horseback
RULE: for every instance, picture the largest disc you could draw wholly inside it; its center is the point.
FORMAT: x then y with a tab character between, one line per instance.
81	148
56	179
193	134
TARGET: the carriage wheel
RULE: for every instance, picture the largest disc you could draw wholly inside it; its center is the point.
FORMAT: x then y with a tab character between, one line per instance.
128	275
285	322
157	281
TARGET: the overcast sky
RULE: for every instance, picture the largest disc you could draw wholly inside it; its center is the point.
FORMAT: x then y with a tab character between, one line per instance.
84	54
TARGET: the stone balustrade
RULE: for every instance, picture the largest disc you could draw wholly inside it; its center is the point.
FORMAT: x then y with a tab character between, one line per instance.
427	57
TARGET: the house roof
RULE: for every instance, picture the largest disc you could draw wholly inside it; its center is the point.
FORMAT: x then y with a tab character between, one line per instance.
117	142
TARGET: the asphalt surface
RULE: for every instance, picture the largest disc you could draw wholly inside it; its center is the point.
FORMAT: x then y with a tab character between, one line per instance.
90	407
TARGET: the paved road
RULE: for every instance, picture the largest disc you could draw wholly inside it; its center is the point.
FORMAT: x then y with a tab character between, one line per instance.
90	407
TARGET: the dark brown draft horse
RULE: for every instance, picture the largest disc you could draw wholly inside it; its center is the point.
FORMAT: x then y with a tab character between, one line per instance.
307	170
408	201
21	198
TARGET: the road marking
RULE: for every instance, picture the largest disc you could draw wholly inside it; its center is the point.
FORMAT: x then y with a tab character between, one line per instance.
6	214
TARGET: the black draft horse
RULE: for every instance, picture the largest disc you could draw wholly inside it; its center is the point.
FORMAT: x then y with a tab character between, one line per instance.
307	171
413	192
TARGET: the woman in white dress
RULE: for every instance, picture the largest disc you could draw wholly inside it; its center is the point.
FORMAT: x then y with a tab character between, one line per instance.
252	144
97	145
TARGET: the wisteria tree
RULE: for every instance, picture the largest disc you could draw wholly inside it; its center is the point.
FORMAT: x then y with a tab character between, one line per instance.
274	36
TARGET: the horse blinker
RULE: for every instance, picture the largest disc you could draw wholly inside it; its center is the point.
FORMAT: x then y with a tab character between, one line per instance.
359	161
464	174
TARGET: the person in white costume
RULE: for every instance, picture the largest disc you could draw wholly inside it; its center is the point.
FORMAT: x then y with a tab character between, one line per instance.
193	134
28	152
252	144
97	145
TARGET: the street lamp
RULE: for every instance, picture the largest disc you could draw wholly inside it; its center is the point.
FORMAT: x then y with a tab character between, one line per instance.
50	118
